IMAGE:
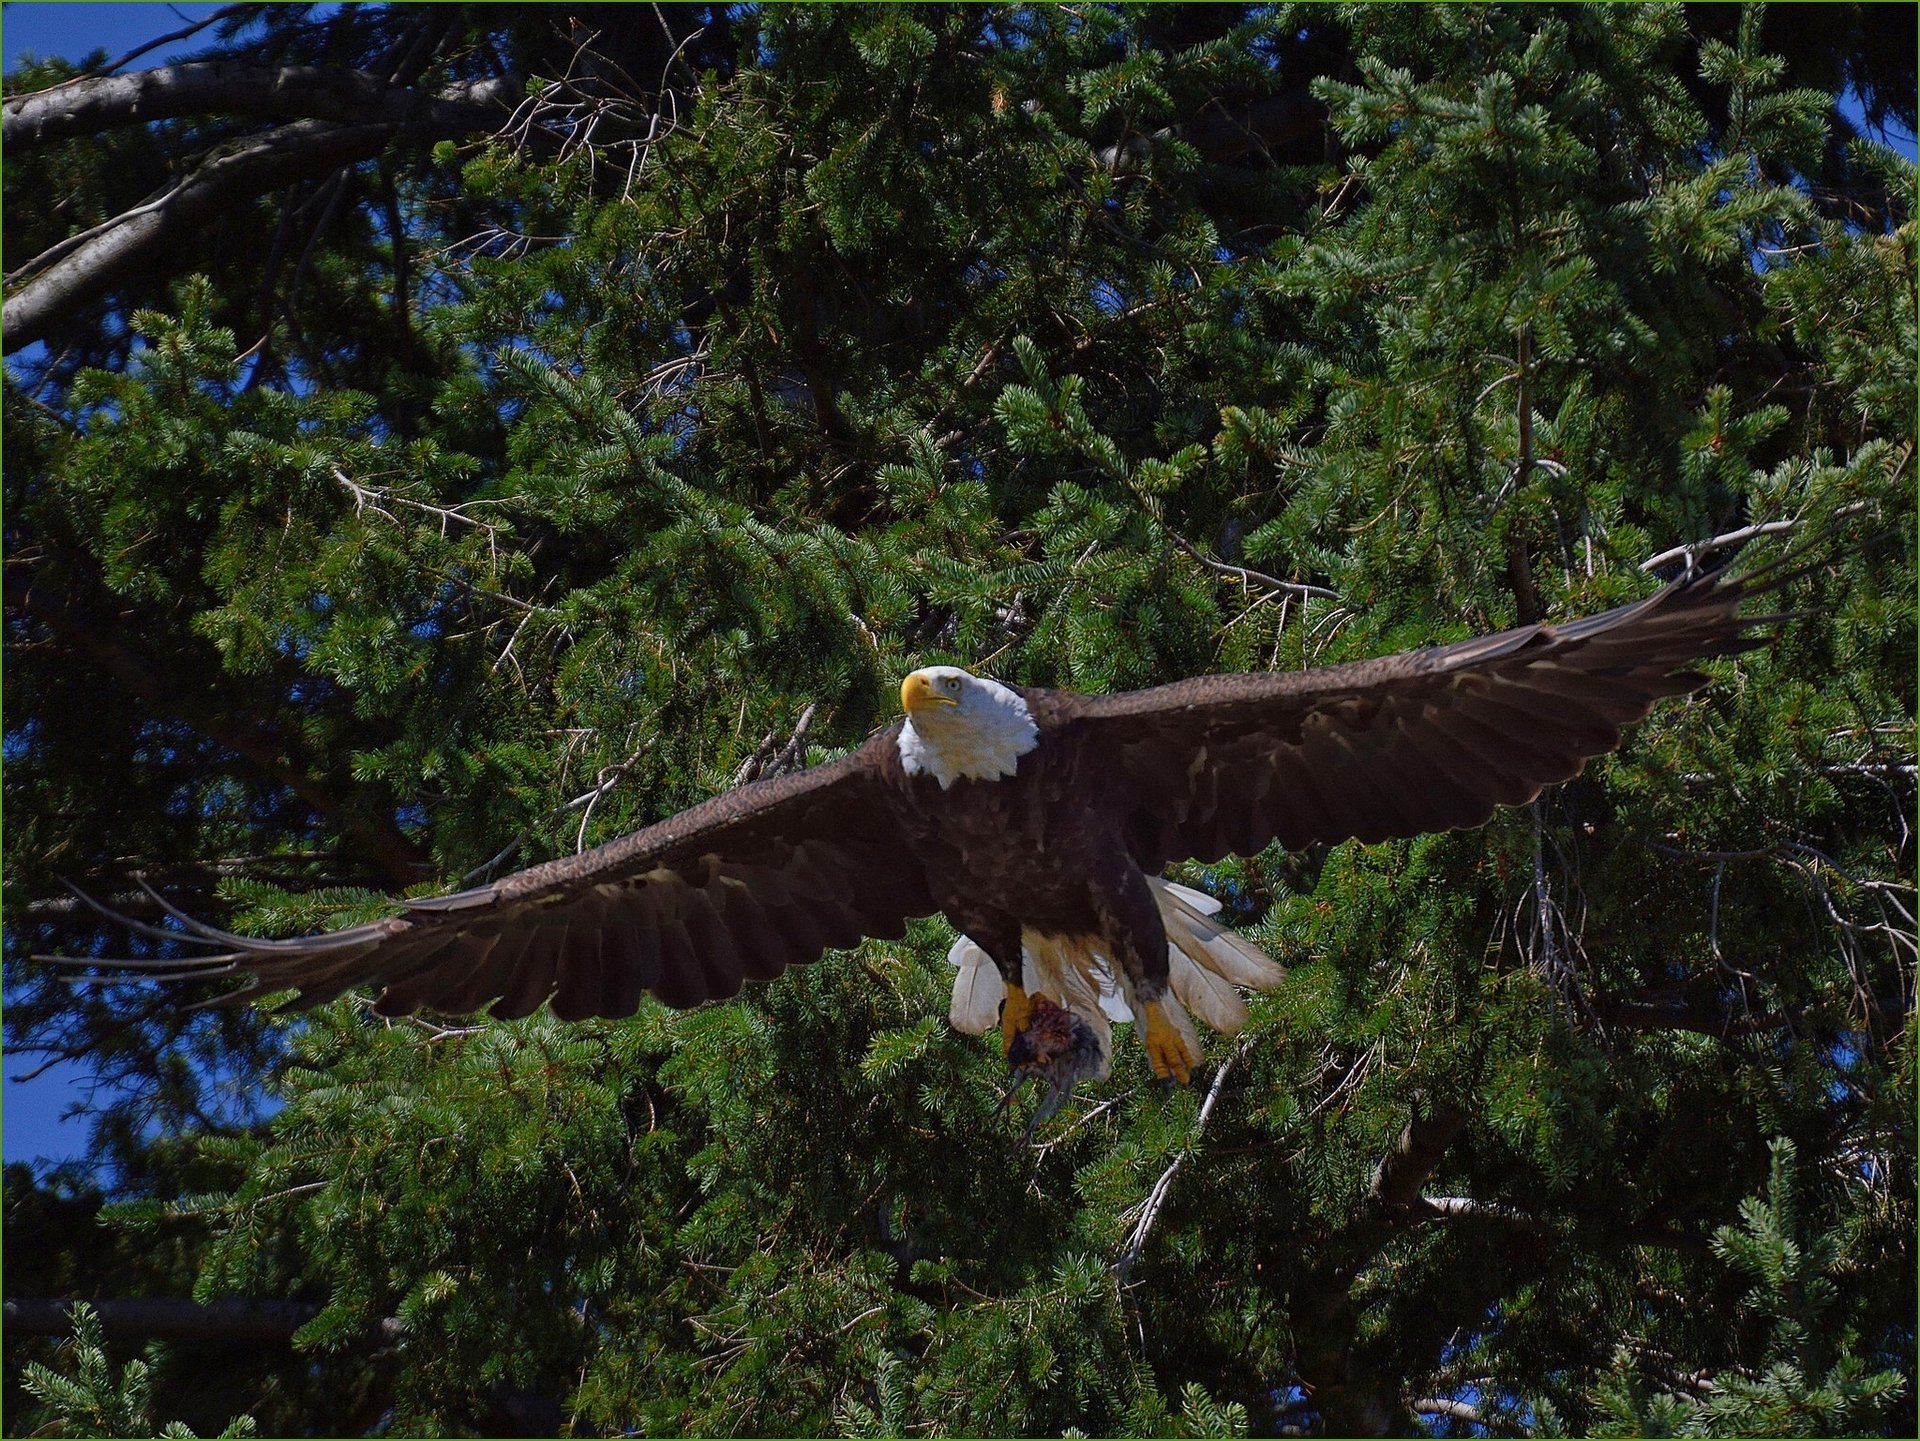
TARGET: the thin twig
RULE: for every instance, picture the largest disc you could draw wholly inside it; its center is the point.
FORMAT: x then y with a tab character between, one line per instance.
1693	549
1157	1198
607	780
1246	576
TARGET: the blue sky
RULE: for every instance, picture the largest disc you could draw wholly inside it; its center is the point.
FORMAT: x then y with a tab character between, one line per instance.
70	31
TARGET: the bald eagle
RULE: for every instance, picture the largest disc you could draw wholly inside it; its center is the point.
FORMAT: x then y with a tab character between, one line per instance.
1038	822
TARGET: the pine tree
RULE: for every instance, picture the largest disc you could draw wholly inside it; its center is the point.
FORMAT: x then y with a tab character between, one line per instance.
1087	347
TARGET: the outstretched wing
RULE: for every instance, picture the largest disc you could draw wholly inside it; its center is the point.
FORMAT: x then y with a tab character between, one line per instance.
1423	741
739	888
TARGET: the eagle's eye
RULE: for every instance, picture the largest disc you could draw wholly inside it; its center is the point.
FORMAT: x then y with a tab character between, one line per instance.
950	684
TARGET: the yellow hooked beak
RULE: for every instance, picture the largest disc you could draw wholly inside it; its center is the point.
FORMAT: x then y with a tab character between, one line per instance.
919	693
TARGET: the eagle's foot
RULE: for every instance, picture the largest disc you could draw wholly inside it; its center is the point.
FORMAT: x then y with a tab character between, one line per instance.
1055	1047
1016	1014
1167	1051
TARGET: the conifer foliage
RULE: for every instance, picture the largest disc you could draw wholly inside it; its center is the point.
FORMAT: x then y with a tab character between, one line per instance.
488	495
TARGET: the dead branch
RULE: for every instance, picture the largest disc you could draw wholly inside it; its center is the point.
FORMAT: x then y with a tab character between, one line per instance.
770	758
1249	577
607	779
1156	1199
1461	1208
1440	1406
92	104
81	269
1692	550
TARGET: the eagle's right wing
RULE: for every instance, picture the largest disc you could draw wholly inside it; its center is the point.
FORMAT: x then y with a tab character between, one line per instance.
1423	741
739	888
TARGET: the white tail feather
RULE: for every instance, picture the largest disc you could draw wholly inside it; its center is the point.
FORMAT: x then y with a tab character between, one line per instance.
977	990
1215	947
1199	900
1206	964
1212	999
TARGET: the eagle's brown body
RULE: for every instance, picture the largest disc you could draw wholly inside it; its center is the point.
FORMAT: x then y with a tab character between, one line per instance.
1110	790
1072	873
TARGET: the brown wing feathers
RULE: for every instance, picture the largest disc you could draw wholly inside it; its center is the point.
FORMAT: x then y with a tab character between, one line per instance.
772	874
737	889
1424	741
688	934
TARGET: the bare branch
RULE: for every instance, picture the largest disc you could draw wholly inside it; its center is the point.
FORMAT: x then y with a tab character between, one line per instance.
770	758
370	497
1404	1169
1719	542
607	779
1440	1406
185	32
1466	1208
1249	577
92	104
1157	1198
1460	1208
795	748
112	253
1694	549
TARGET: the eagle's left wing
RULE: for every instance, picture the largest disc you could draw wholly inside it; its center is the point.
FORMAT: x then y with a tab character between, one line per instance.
754	880
1427	740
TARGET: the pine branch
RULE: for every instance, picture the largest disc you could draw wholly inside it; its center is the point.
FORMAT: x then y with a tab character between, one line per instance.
100	641
1157	1198
236	1321
1354	1396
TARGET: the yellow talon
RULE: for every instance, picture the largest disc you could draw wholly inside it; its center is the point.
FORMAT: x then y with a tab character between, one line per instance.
1014	1017
1167	1052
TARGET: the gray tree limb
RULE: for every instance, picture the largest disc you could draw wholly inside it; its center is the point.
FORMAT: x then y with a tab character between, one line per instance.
1441	1406
127	243
83	268
227	87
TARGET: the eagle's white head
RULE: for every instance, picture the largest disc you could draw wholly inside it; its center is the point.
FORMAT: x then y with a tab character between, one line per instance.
962	726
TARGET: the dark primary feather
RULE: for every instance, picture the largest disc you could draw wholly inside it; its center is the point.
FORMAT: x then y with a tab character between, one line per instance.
1422	741
736	889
